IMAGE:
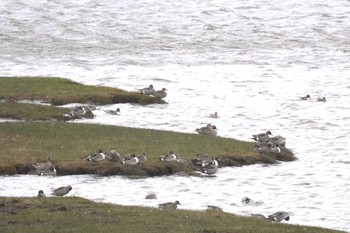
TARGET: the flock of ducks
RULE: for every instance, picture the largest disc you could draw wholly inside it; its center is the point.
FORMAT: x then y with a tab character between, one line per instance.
265	143
308	97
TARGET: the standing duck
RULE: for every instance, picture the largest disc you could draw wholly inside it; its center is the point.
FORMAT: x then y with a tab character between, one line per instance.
169	205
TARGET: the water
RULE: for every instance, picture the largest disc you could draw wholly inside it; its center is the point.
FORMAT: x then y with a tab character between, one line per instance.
248	60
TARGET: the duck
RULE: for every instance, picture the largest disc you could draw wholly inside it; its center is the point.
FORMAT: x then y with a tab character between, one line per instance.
211	167
61	191
269	148
43	166
278	141
307	97
142	157
48	172
41	193
214	115
160	94
169	157
279	216
276	217
169	205
262	137
114	156
97	157
210	130
321	99
147	90
113	112
151	196
202	158
214	208
246	200
131	161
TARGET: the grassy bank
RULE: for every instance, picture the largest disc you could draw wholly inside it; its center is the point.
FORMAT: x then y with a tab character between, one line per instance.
58	91
25	143
72	214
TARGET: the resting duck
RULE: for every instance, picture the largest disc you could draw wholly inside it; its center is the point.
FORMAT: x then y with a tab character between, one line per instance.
169	205
210	130
131	161
169	157
160	94
61	191
97	157
147	90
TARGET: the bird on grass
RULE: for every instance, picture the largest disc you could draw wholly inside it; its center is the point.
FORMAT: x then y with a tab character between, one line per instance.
41	193
147	90
209	129
160	94
276	217
131	161
61	191
96	157
168	157
169	205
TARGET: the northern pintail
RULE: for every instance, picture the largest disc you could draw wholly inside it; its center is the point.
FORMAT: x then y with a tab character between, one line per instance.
268	148
214	115
98	156
279	216
61	191
214	208
41	193
142	157
246	200
276	217
112	112
321	99
201	158
114	156
151	196
147	90
81	112
169	205
132	160
262	137
278	141
168	157
43	166
208	130
49	172
160	94
307	97
211	167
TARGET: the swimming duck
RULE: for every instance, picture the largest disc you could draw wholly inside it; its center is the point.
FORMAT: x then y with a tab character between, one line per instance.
246	200
169	205
147	90
321	99
132	160
41	193
210	130
168	157
279	216
307	97
61	191
114	156
113	112
214	115
210	168
161	94
48	172
81	112
97	157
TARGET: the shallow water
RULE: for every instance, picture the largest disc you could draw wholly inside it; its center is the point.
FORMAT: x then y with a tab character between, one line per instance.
248	60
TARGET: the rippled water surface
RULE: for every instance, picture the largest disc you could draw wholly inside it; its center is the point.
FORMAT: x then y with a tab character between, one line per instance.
248	60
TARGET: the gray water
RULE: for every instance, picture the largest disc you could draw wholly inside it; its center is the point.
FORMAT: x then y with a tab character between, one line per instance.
248	60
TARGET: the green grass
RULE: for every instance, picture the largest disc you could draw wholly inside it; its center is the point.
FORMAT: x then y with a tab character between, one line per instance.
25	143
31	112
58	91
73	214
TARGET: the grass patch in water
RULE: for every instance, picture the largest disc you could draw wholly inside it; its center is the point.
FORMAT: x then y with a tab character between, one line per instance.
25	143
73	214
59	91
